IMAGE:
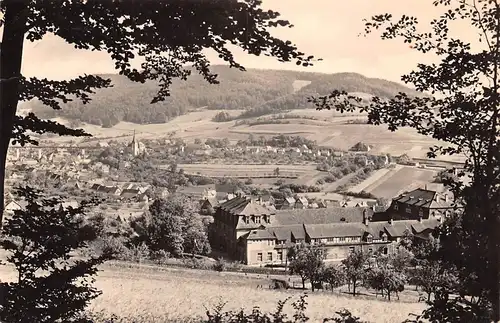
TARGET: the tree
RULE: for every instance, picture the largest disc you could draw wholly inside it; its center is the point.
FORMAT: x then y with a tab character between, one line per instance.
432	277
307	262
51	285
125	29
334	276
172	225
355	268
386	279
465	116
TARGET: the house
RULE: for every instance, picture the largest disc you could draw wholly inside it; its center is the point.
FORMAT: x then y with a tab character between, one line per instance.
288	203
266	200
420	203
256	235
200	192
129	193
15	205
208	206
226	191
235	218
301	203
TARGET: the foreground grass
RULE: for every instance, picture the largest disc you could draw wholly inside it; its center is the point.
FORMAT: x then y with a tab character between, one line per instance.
178	295
142	294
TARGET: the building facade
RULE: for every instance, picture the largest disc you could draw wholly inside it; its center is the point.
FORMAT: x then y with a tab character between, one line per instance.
251	233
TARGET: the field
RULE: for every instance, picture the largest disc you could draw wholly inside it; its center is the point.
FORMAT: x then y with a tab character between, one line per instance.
400	179
329	129
248	171
176	294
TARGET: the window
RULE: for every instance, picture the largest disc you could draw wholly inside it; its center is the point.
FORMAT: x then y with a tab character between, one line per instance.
421	212
268	219
396	206
247	220
269	256
408	210
259	256
342	239
386	251
330	239
280	255
351	249
370	250
257	219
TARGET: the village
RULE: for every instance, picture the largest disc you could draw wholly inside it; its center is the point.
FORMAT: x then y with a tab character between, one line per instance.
253	224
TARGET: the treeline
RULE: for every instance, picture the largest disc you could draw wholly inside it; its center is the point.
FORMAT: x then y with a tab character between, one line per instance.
280	141
259	92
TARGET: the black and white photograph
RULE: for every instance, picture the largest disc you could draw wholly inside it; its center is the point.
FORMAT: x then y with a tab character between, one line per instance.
249	161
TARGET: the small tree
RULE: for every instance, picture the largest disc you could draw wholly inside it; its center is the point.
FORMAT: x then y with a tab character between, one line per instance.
308	263
355	268
51	285
335	276
431	277
386	279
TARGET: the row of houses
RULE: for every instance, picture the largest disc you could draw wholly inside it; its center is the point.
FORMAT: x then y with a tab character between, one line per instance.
254	234
208	205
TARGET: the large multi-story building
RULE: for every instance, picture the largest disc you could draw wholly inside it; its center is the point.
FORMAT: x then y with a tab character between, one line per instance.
255	235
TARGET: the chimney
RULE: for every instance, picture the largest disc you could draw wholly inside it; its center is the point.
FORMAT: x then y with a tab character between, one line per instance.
391	221
365	217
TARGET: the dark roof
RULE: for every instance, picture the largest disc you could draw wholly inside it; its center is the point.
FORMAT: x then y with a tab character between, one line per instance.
319	216
244	206
212	201
331	230
263	234
226	188
285	232
424	198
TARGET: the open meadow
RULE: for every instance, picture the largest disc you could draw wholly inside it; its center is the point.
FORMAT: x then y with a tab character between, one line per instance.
175	294
400	179
248	171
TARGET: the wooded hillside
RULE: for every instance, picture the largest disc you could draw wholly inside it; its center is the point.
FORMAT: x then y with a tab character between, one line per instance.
258	91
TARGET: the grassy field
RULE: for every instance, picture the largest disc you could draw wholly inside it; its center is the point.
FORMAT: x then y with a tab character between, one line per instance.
180	294
328	130
244	170
399	180
377	176
175	294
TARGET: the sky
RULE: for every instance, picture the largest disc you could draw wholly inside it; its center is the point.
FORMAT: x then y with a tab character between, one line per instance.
324	28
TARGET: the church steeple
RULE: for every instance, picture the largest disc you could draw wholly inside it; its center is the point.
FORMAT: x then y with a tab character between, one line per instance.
135	146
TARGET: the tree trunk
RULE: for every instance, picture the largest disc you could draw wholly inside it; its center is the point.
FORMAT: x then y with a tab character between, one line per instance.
11	53
303	283
495	250
354	288
389	296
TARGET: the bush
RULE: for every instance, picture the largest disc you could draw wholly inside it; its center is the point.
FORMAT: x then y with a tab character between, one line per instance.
220	265
44	236
160	257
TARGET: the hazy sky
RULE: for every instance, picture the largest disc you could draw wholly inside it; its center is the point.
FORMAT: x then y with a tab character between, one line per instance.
325	28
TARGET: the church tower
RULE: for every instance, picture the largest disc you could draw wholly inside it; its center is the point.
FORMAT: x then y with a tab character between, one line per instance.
135	146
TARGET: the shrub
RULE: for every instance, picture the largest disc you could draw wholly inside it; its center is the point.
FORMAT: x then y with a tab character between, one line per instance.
44	236
220	265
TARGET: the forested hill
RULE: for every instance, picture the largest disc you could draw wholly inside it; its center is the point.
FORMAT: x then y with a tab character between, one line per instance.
261	91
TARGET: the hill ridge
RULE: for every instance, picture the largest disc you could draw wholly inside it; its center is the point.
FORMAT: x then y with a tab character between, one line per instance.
263	91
